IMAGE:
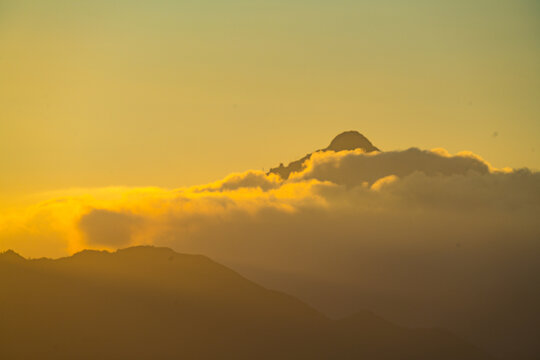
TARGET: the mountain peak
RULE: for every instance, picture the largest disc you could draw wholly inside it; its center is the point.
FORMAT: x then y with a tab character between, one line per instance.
10	255
351	140
348	140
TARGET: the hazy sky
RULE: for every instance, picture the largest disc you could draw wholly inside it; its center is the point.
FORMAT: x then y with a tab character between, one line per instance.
172	93
124	115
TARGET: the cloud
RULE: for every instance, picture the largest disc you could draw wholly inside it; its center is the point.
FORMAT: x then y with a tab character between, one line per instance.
352	168
249	179
104	227
421	237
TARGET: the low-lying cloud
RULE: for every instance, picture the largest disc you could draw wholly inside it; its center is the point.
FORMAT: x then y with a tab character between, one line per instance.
422	237
109	228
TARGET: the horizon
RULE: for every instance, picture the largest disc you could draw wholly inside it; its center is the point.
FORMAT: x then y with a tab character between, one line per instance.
353	156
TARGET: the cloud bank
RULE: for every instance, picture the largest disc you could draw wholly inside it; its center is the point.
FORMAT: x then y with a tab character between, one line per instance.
422	237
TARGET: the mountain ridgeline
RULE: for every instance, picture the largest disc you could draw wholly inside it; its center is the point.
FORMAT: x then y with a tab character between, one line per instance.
348	140
154	303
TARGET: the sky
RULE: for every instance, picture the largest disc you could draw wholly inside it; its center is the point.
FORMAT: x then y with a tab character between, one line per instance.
129	123
179	93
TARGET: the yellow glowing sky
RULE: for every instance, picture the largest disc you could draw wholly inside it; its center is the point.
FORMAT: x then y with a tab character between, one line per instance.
176	93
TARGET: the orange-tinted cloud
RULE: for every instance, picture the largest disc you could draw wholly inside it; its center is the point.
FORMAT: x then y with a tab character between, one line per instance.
110	228
449	236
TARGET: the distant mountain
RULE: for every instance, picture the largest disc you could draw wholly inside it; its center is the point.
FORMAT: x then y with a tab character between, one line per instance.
348	140
153	303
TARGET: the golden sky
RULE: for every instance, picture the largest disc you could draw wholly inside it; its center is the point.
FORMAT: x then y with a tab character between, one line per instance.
127	122
176	93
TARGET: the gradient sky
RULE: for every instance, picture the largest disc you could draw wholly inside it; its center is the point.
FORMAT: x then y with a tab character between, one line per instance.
173	93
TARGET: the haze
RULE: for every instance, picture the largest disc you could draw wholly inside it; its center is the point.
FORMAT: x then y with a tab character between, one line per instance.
375	161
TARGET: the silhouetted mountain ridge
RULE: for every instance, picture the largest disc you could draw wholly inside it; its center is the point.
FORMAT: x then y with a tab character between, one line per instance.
348	140
10	255
154	303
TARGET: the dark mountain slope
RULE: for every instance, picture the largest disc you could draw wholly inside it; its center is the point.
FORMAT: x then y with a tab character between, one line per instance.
153	303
